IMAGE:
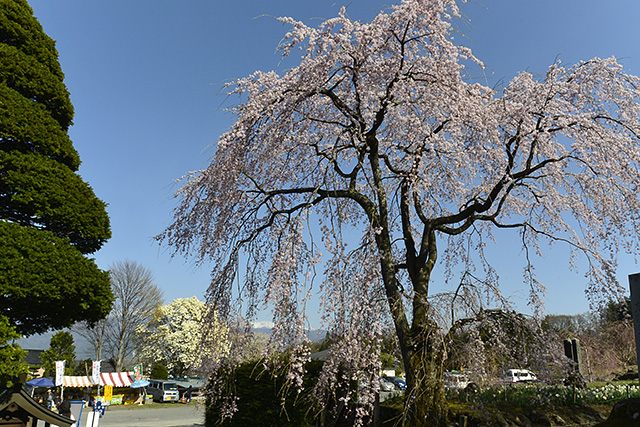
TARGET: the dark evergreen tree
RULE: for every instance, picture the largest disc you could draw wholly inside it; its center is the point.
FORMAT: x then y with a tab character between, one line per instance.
615	311
50	219
159	372
11	355
61	347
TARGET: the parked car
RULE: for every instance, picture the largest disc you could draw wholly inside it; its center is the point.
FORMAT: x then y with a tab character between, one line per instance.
456	380
519	375
163	391
386	385
398	382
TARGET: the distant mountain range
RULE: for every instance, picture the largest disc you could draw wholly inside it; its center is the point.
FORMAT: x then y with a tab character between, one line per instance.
84	350
314	335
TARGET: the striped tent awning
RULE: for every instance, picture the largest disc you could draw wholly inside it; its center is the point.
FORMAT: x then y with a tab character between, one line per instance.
116	379
76	381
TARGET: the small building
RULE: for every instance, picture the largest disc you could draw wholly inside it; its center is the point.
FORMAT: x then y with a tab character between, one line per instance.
184	383
321	356
18	409
35	364
33	357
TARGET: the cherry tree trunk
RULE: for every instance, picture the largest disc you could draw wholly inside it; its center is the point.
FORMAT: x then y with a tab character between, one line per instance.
425	402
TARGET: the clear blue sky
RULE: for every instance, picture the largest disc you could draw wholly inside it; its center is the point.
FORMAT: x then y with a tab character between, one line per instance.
145	78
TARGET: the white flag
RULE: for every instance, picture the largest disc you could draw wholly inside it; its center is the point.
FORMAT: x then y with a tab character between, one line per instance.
95	372
59	371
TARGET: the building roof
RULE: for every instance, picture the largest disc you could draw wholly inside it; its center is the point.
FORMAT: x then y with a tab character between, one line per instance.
33	357
194	383
18	408
321	356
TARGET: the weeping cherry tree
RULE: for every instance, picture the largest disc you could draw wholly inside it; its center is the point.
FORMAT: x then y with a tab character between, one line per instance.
351	175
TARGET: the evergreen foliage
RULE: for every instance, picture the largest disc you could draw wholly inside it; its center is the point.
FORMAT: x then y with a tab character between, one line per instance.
260	399
11	355
616	311
50	219
83	367
159	372
61	347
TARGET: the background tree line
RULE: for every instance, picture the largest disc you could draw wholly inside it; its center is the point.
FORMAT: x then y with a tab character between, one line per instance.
606	337
140	329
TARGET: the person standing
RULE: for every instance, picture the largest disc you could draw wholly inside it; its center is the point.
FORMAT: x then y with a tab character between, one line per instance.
87	396
64	408
49	400
187	395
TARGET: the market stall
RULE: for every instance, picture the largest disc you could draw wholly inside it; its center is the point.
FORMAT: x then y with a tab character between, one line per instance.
76	381
116	379
115	387
114	384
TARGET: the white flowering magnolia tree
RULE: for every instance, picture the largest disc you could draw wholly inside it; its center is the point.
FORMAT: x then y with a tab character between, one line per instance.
175	337
355	172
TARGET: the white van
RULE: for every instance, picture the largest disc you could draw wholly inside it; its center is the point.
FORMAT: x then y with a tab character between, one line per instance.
163	391
519	375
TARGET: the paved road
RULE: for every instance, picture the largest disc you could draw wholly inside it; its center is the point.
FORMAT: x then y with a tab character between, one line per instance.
174	415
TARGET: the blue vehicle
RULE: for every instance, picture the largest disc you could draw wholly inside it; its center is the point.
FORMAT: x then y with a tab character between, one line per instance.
397	381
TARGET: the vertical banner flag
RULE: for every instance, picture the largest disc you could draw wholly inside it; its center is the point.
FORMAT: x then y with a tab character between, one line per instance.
95	372
137	372
59	371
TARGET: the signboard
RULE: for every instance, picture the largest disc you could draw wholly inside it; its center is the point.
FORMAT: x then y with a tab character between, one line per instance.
108	393
59	371
95	372
137	372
